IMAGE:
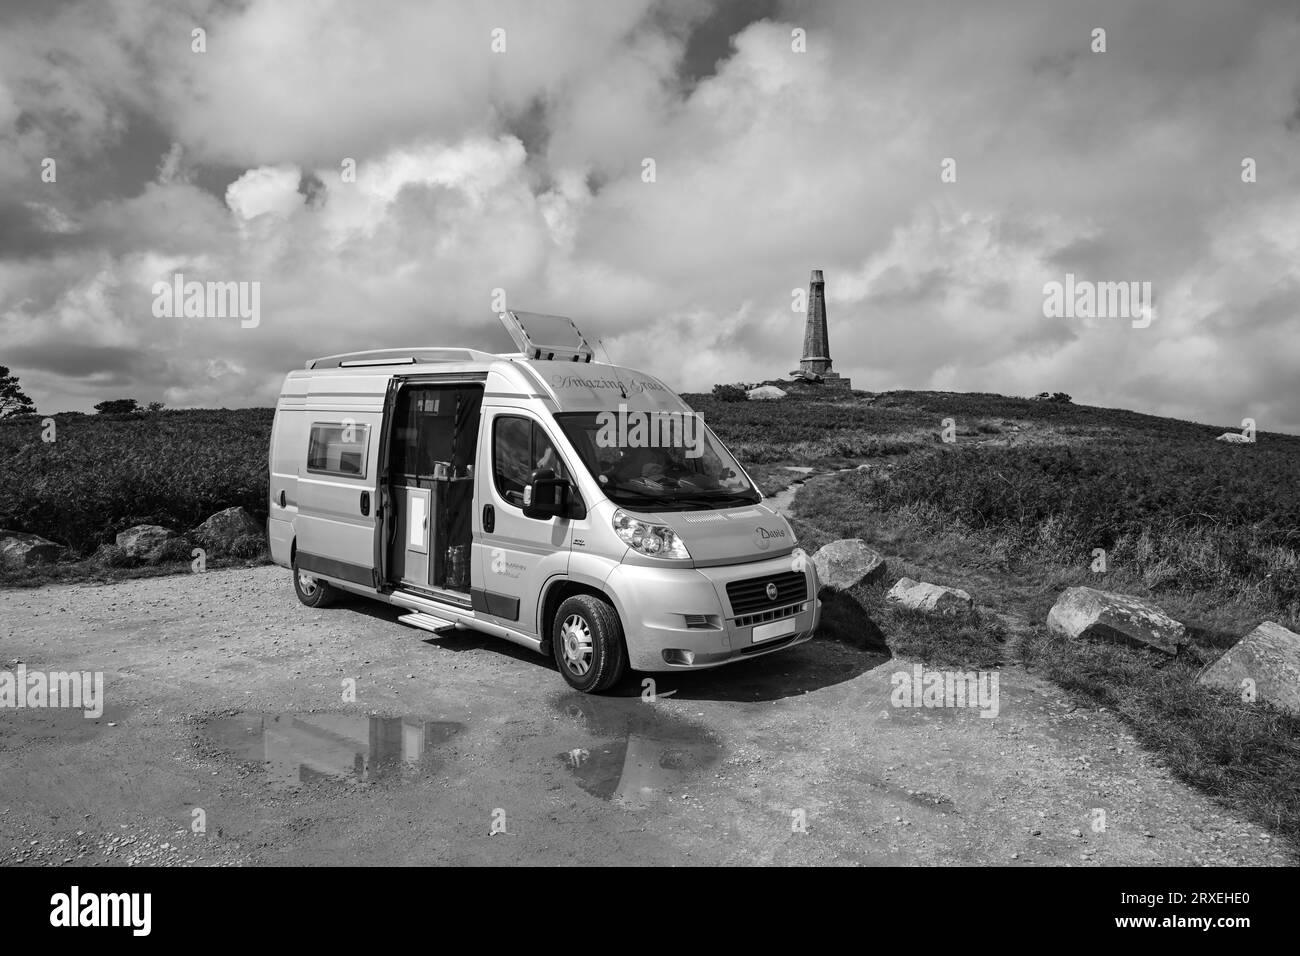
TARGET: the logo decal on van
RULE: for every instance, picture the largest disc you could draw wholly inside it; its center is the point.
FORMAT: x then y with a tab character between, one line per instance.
762	536
634	386
508	569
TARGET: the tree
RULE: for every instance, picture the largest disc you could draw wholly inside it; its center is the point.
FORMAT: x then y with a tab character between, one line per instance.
12	399
154	407
117	406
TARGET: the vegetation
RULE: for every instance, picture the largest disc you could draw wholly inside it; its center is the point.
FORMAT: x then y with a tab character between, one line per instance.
102	474
117	406
1016	509
730	393
13	400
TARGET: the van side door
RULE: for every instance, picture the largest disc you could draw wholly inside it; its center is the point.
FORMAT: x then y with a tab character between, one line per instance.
337	495
514	555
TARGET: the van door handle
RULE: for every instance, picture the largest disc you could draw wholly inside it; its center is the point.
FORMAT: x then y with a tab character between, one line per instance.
489	518
365	503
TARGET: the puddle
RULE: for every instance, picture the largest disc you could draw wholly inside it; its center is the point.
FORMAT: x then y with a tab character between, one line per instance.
639	753
304	749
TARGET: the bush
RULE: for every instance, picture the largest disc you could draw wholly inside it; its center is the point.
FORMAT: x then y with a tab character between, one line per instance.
111	556
173	549
731	393
248	546
117	406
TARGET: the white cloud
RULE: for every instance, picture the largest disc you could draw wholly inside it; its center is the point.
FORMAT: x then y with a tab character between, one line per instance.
267	189
1122	166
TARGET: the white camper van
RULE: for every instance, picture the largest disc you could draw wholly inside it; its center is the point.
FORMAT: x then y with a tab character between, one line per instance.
526	495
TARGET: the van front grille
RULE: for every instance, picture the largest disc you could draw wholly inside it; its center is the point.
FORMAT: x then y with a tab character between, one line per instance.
751	595
776	614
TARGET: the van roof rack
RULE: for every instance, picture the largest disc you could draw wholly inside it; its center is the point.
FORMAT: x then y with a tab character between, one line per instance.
415	356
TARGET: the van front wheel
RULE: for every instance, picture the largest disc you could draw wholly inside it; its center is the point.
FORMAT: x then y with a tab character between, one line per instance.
587	640
311	591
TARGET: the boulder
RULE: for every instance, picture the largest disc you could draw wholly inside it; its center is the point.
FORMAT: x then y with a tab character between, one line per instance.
844	563
220	532
21	550
1270	656
765	393
144	540
923	596
1119	618
1234	438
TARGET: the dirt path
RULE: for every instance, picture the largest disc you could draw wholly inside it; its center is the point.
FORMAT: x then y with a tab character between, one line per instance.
225	696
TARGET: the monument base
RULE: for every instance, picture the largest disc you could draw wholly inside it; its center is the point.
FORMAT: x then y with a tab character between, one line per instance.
827	379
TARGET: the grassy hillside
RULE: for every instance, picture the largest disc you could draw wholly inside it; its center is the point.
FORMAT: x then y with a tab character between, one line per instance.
1033	484
104	473
1016	509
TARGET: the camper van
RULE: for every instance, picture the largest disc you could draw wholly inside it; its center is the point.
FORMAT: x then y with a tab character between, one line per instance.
577	508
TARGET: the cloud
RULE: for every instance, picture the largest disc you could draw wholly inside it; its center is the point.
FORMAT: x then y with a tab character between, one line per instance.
523	171
265	190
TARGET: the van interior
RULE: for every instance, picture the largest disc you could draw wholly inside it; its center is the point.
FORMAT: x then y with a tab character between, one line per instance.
429	485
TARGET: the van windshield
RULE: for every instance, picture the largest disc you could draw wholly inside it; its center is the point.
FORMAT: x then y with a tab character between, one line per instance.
658	469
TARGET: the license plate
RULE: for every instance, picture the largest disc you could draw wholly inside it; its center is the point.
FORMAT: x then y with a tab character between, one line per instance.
765	632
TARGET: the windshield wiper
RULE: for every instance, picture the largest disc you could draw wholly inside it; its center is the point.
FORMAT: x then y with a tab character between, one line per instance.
715	502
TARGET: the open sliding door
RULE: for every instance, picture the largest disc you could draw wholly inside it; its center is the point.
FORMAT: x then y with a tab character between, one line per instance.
432	441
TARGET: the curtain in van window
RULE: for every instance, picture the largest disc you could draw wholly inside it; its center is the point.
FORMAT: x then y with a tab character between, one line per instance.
435	425
469	406
458	500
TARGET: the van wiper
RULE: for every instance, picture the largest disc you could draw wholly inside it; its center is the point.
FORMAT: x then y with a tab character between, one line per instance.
713	501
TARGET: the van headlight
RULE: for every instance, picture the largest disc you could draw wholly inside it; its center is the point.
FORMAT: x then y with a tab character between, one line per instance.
656	540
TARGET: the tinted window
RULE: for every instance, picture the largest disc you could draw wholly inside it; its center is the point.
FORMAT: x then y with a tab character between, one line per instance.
338	450
520	447
659	475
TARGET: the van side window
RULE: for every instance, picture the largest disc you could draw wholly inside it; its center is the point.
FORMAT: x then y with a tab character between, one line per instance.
520	447
338	450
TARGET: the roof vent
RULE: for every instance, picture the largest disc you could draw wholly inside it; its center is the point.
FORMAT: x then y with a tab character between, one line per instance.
548	338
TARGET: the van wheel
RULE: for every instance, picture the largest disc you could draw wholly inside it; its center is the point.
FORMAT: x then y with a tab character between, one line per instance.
587	641
312	591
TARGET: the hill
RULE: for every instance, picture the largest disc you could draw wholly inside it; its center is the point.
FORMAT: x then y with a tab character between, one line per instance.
104	473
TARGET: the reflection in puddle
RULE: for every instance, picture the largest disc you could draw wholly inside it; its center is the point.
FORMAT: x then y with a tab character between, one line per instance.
297	749
641	754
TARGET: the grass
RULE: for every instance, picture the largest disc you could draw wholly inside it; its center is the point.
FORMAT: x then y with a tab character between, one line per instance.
94	570
1245	755
104	473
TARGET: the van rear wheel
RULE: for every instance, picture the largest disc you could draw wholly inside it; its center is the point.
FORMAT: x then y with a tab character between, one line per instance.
312	591
587	640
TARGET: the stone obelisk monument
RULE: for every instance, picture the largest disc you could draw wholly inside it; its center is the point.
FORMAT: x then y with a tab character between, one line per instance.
815	366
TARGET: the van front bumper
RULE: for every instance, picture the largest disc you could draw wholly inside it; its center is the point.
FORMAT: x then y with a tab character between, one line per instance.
683	619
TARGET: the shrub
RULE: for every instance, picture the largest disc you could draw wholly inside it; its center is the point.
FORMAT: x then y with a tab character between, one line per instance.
248	546
730	393
111	556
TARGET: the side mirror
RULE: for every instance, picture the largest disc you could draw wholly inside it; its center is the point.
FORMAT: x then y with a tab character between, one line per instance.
546	496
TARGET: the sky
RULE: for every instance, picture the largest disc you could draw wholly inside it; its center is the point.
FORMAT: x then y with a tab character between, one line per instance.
942	163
